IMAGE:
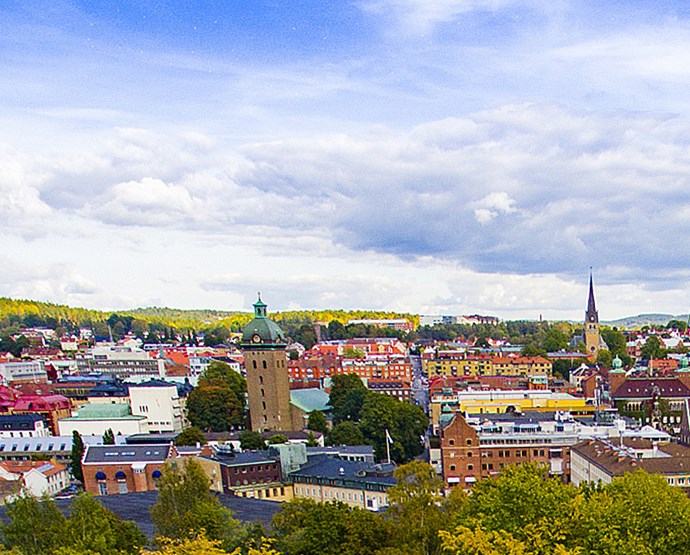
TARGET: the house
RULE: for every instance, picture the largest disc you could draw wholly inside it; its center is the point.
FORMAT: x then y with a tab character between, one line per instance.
248	474
51	407
112	469
22	425
600	461
356	483
37	477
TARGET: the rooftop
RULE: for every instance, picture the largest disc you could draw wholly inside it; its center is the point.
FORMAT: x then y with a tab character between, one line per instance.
310	400
119	454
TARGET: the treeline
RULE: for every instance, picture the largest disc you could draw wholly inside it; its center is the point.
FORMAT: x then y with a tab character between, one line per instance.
520	512
168	324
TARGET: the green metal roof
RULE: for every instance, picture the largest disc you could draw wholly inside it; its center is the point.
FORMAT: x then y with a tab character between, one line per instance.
104	411
310	400
262	331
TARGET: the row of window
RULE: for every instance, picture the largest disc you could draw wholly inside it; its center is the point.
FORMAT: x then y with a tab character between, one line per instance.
27	446
259	468
267	480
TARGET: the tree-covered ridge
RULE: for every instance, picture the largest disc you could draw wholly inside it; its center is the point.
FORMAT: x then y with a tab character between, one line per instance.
24	312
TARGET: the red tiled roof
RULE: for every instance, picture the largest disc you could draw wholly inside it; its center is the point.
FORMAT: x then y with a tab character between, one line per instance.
641	388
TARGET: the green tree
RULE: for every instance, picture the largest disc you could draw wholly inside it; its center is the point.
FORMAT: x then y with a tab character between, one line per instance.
346	433
636	513
214	408
277	439
305	527
653	348
524	502
562	367
185	505
416	507
216	336
251	441
680	325
406	423
616	342
347	396
604	358
317	422
108	437
532	349
191	436
92	528
221	374
35	527
555	340
77	455
336	330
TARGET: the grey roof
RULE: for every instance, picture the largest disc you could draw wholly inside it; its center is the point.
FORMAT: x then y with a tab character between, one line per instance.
150	439
47	444
137	507
341	449
243	458
119	454
11	422
351	474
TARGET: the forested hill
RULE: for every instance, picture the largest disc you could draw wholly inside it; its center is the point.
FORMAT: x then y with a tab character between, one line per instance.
23	312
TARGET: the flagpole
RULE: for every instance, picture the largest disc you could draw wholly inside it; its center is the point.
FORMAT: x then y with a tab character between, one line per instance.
388	446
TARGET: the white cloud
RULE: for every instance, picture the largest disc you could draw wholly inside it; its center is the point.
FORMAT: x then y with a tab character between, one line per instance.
492	205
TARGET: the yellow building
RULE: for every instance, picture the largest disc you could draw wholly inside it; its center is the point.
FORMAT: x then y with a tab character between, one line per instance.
358	484
500	401
451	364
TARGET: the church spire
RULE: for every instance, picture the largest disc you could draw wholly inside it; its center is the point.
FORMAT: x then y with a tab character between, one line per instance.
591	315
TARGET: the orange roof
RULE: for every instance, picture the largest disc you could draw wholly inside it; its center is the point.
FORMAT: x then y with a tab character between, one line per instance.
47	468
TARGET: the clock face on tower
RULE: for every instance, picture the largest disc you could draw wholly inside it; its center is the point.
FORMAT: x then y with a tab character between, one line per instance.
256	338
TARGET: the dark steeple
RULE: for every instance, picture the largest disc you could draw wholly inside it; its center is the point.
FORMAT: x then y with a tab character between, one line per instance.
591	315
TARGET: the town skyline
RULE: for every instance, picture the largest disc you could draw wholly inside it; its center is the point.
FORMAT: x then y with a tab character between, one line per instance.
432	157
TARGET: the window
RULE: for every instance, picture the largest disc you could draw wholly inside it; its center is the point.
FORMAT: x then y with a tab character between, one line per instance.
451	442
102	488
470	467
263	362
261	378
469	454
469	441
254	365
452	467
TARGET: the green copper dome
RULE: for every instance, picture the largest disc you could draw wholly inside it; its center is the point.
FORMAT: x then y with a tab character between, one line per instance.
262	331
617	365
683	365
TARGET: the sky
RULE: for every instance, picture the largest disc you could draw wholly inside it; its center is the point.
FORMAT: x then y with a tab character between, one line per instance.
425	156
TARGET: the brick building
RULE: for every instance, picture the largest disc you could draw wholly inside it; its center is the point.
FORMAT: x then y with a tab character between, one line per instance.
111	469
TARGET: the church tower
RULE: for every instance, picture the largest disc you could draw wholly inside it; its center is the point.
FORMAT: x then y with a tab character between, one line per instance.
592	334
268	387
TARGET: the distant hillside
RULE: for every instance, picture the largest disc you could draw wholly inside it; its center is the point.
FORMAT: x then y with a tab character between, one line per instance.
23	312
631	322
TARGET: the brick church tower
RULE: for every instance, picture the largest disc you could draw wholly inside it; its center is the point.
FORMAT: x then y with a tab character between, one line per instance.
268	386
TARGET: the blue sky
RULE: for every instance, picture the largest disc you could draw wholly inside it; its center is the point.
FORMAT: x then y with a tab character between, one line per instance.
433	156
